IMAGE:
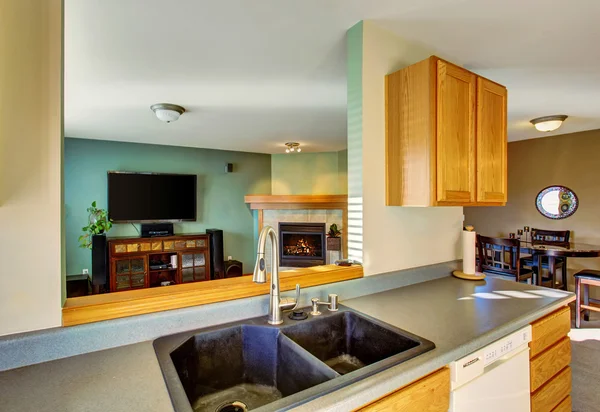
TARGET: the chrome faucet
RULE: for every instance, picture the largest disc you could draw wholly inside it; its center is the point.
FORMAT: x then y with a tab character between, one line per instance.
276	305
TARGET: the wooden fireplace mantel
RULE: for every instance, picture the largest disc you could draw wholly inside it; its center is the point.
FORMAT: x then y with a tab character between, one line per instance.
297	202
274	202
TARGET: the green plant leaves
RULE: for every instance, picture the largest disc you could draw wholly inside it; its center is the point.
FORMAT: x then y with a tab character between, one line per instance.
101	225
334	231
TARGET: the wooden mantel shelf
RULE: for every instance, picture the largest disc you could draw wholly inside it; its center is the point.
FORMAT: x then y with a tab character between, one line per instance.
274	202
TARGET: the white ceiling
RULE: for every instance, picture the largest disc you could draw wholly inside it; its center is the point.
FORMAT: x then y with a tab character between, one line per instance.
254	74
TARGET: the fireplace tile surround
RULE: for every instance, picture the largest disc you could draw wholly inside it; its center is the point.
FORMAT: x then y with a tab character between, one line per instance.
327	216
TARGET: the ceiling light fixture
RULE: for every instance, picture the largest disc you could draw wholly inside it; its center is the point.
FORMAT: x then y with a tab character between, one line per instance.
292	146
167	112
549	123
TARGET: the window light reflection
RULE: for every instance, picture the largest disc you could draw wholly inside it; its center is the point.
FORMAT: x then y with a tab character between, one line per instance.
509	294
549	293
518	294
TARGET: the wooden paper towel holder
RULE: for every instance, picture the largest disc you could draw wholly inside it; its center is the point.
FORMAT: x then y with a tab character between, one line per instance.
468	276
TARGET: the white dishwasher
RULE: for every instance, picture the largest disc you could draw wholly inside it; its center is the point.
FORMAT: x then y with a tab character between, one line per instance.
495	378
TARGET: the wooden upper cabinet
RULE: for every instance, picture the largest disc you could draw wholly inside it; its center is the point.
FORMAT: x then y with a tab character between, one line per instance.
445	137
491	142
455	136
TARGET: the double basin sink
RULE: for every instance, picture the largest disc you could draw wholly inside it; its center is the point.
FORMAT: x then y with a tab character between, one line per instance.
251	365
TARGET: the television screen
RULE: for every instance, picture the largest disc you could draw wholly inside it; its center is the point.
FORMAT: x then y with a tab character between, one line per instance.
151	197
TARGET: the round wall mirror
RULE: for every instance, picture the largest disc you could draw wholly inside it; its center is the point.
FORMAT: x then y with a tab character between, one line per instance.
556	202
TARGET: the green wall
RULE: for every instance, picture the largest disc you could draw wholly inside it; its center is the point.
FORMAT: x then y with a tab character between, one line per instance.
220	195
309	173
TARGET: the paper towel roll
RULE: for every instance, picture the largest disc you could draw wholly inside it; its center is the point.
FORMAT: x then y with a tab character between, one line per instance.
469	247
173	261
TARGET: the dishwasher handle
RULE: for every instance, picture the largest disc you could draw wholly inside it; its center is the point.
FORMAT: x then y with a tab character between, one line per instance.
471	367
466	369
506	358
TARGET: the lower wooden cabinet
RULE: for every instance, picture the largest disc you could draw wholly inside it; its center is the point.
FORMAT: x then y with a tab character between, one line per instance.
548	363
564	406
550	329
428	394
129	273
550	356
552	393
131	261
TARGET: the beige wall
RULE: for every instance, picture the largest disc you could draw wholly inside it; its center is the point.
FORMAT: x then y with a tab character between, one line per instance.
322	173
30	164
395	237
571	160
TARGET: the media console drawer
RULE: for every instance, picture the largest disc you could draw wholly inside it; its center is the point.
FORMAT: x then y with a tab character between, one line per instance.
133	247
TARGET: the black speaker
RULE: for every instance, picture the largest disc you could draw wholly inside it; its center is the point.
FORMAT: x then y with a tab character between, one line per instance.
157	229
228	167
217	270
99	260
233	269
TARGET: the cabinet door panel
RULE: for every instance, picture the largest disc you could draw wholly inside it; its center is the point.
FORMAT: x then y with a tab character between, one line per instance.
137	265
491	142
138	281
193	267
455	135
122	282
123	267
428	394
128	273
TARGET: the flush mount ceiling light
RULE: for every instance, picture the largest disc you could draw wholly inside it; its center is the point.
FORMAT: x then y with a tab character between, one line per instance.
167	112
549	123
292	147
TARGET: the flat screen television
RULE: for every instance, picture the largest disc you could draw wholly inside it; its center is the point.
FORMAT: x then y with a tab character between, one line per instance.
151	197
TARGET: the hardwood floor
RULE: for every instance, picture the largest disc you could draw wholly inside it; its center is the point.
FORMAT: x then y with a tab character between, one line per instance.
585	364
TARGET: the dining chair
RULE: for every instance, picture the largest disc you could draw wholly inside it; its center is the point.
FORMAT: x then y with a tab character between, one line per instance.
583	280
498	256
551	238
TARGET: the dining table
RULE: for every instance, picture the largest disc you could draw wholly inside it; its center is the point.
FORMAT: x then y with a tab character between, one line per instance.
564	250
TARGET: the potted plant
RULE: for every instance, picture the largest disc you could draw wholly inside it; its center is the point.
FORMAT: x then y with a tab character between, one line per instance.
98	225
334	241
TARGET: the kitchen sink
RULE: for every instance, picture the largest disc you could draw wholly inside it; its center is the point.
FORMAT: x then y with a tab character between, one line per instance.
250	365
253	365
346	341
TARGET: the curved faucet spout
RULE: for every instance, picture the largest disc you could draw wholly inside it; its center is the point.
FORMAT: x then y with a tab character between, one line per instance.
260	274
260	269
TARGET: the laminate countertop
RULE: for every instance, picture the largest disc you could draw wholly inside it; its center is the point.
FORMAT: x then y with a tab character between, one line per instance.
459	316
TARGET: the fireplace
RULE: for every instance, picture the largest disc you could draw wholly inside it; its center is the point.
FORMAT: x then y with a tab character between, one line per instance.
302	244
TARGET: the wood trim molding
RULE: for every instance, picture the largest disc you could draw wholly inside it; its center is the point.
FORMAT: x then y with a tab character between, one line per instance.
274	202
261	219
87	309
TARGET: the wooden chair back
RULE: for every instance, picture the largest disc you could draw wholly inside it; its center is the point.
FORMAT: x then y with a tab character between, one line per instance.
499	255
550	237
